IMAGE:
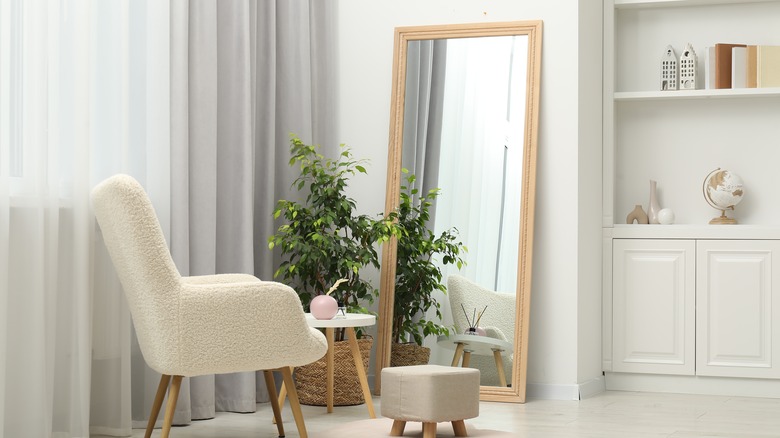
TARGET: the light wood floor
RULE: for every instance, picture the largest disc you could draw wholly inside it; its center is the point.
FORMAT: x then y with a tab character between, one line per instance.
612	414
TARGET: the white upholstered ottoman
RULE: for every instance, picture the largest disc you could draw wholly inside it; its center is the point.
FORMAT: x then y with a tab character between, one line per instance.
430	394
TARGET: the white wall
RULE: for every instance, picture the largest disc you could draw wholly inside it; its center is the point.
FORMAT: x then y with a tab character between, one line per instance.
365	58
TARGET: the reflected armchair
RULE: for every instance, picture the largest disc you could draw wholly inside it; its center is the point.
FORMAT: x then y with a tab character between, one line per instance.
498	320
190	326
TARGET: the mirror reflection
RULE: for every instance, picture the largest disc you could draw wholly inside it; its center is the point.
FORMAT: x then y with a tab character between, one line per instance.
463	120
463	133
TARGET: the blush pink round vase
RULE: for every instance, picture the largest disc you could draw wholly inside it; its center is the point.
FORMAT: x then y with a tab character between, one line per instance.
324	307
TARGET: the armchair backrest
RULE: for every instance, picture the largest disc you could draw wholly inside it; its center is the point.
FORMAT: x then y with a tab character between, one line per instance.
138	250
500	311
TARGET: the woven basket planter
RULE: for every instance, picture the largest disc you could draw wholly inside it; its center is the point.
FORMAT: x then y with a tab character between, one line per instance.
409	354
311	380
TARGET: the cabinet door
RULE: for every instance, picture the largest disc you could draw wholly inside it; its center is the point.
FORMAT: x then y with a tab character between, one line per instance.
738	308
653	306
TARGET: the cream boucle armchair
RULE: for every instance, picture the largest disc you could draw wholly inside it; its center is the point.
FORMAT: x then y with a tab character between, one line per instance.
189	326
498	321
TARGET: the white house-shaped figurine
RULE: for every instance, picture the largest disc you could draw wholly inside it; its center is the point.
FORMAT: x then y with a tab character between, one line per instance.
688	67
669	70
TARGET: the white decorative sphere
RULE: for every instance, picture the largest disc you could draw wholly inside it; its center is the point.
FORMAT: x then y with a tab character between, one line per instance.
666	216
723	189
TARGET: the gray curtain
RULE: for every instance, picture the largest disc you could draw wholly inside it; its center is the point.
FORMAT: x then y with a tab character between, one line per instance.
423	108
244	75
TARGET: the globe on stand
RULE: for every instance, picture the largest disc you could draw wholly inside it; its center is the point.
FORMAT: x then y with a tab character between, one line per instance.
722	190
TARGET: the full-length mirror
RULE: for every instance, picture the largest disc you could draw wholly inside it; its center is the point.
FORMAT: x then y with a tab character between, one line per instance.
464	121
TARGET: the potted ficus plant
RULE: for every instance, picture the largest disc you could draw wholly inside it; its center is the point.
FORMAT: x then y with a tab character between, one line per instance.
325	245
418	276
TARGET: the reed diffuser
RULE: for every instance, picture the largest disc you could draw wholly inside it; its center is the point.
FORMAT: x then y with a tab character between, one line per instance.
473	322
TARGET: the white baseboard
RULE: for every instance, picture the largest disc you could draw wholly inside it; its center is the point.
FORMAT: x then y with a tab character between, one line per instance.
593	387
546	391
728	386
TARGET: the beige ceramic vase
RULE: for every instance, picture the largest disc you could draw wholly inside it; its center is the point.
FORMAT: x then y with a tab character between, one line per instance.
638	215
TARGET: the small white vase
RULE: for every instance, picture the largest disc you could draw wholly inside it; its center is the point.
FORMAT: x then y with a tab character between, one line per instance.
652	207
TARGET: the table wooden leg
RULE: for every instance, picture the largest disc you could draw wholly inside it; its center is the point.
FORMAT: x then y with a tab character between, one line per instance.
500	367
361	371
329	359
466	359
458	353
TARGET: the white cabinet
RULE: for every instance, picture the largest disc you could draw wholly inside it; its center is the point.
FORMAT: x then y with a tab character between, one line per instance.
738	308
696	307
653	305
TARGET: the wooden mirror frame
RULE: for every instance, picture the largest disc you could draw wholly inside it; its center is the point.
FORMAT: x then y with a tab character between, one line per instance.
532	29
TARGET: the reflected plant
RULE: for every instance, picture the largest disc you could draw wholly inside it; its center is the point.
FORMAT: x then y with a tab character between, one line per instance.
418	275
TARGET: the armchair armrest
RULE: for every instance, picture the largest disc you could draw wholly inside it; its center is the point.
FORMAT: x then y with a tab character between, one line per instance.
495	333
244	326
219	278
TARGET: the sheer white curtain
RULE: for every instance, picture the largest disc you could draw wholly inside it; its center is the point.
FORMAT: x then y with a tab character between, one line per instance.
481	172
83	94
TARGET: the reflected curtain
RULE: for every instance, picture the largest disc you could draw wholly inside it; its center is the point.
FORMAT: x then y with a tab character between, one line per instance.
83	95
426	63
480	175
481	172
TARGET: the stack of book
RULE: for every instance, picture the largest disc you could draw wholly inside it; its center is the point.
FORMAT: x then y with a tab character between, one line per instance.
742	66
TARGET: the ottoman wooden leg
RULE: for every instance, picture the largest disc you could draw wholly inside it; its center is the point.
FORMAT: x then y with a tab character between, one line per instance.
429	430
398	428
459	427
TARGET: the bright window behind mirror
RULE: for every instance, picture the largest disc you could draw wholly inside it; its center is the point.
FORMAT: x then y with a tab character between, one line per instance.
480	167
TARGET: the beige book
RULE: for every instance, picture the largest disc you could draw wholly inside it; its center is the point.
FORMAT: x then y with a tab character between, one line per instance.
767	66
750	67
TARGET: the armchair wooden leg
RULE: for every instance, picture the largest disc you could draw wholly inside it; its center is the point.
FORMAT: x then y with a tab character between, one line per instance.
271	386
295	406
283	394
173	396
158	399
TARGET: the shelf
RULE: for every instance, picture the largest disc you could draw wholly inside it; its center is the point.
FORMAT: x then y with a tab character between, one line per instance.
730	93
703	231
636	4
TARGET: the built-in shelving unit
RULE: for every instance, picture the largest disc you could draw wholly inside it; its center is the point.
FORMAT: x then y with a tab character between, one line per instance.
743	93
677	137
645	4
677	278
